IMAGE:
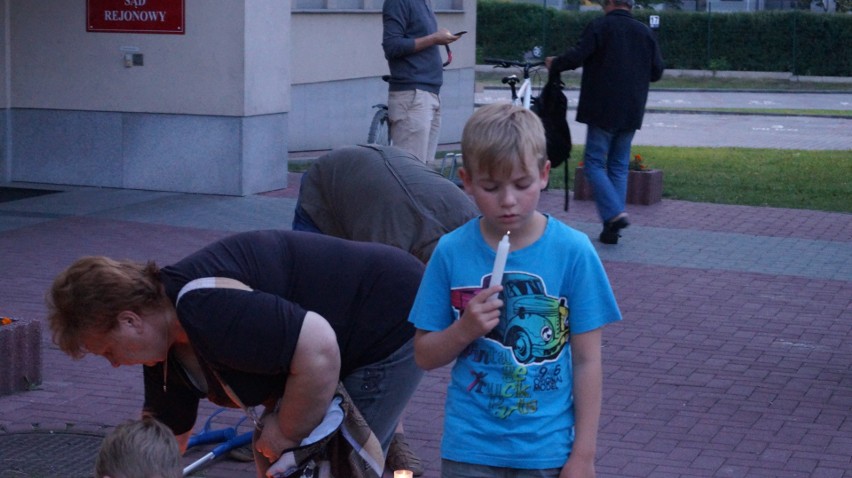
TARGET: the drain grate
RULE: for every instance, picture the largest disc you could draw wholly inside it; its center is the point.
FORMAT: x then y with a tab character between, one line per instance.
39	454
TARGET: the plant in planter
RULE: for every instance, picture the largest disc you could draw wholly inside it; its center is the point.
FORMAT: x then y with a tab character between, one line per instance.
637	164
644	184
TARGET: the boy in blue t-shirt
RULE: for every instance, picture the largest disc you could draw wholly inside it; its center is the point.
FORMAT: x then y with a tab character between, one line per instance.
525	389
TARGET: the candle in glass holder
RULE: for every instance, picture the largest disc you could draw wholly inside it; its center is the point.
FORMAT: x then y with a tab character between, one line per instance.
403	474
500	261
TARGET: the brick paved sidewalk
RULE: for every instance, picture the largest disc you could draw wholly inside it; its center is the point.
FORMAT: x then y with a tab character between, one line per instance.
733	358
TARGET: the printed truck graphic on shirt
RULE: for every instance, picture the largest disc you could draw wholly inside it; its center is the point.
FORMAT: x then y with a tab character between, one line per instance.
532	324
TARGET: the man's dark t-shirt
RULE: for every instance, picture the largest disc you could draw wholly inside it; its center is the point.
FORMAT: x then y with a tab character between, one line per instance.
363	290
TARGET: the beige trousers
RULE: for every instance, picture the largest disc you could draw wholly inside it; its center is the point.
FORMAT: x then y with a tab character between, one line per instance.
415	122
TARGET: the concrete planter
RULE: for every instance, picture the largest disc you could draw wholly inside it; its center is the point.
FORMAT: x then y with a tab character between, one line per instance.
20	365
643	187
582	188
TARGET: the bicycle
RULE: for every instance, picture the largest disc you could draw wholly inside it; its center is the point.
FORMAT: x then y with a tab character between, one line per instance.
379	127
379	132
522	95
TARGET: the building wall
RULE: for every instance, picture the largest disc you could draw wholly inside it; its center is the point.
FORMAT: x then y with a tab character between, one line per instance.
181	153
338	113
5	162
215	110
4	54
207	111
218	67
337	83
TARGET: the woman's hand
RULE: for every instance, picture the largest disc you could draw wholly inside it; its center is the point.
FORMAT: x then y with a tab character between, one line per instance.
272	442
311	383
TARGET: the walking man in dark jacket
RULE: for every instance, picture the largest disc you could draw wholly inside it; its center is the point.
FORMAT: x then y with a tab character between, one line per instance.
620	57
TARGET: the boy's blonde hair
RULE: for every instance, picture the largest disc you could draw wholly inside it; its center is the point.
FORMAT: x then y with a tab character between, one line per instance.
143	448
499	136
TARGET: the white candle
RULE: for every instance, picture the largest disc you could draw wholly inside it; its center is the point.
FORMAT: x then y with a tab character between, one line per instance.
500	261
403	474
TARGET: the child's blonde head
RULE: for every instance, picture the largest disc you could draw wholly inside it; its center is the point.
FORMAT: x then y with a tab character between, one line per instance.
143	448
499	136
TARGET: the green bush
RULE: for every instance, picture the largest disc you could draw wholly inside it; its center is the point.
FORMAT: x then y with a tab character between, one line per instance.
802	43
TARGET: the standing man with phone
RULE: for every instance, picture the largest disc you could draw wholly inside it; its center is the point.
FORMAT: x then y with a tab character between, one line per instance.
411	40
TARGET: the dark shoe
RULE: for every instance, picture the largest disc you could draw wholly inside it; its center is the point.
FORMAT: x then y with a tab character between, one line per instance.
618	223
609	237
402	457
610	233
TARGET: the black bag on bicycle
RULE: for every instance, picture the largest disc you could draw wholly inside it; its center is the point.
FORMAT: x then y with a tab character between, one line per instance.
551	106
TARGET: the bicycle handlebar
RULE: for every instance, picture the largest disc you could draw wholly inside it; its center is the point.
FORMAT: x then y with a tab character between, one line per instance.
499	63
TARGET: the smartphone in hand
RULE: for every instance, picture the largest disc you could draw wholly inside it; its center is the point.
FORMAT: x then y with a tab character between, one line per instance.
460	33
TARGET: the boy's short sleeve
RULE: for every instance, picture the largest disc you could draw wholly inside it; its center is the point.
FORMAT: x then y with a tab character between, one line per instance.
431	310
590	296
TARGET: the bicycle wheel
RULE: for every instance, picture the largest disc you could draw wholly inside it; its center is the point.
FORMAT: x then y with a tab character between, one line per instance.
379	127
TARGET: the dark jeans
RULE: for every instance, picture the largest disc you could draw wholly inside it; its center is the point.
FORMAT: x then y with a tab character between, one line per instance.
606	159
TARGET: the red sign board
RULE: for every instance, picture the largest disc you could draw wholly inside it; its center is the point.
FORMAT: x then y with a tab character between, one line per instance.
135	16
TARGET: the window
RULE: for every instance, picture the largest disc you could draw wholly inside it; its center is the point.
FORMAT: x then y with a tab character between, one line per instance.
365	5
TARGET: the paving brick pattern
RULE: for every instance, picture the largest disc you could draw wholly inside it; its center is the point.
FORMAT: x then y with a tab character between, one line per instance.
733	359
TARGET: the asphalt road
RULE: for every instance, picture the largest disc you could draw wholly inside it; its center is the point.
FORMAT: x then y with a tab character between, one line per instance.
682	125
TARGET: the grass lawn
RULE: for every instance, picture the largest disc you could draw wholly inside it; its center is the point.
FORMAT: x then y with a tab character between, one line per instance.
818	180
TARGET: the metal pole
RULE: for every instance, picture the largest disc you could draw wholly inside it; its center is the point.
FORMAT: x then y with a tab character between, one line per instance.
709	10
795	41
543	28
